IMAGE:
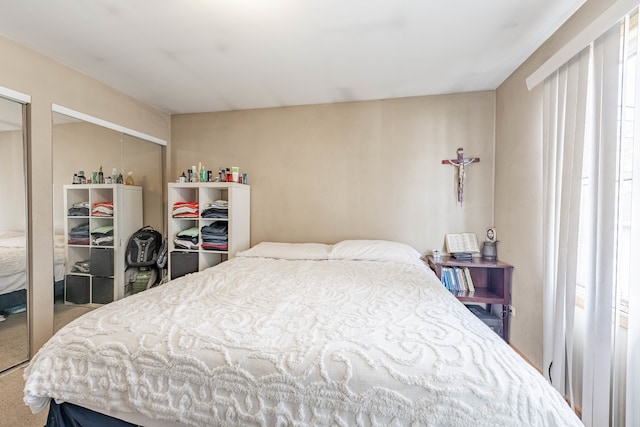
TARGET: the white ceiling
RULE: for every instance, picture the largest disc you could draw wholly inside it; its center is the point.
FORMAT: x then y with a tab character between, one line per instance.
185	56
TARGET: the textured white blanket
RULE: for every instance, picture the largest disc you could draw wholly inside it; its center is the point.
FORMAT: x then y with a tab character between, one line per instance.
258	341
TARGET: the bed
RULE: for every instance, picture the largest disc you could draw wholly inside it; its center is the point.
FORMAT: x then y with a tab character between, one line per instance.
13	267
360	333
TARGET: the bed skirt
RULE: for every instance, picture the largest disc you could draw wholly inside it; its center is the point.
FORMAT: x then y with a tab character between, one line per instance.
70	415
13	299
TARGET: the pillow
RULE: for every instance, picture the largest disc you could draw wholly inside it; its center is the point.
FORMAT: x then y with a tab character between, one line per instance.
375	250
292	251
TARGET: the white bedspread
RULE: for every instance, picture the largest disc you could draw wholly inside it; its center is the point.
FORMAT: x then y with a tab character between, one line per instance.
258	341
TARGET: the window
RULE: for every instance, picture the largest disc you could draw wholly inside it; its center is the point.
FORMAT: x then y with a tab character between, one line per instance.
624	146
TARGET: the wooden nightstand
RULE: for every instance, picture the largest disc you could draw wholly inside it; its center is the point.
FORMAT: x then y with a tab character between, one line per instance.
492	282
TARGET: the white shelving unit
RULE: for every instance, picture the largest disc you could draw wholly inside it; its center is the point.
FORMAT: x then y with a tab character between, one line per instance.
238	196
105	280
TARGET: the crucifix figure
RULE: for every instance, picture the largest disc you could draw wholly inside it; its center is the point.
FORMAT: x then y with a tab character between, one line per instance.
460	163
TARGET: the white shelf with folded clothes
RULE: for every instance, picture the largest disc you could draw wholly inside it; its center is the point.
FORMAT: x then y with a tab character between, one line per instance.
208	223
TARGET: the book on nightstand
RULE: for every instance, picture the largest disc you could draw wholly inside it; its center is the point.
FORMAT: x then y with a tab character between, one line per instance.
457	280
462	246
467	275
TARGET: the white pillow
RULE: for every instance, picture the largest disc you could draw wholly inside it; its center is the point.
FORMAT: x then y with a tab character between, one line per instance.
375	250
292	251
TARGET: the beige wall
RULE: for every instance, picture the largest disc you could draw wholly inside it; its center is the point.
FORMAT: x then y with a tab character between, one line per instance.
86	146
48	82
323	173
519	193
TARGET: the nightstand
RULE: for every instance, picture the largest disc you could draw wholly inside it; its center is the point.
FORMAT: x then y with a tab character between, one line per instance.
491	280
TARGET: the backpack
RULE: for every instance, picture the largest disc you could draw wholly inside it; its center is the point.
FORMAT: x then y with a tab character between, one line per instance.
143	247
146	258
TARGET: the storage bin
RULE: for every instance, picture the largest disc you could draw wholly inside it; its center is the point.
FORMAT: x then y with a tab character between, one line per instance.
101	290
77	289
183	263
101	262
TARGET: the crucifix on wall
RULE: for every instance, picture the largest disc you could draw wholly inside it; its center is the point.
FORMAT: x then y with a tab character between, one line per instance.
460	162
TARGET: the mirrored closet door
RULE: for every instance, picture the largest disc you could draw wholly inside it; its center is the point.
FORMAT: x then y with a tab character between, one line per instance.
86	148
14	275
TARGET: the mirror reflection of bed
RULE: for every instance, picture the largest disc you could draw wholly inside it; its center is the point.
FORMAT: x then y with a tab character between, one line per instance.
14	336
80	145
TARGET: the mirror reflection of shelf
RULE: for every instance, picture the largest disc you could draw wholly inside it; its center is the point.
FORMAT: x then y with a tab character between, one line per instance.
104	282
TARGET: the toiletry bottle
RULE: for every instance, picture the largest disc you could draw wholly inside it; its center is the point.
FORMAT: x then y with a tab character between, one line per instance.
183	177
100	176
194	174
203	174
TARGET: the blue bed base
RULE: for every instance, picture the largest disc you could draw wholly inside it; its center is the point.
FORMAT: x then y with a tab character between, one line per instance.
70	415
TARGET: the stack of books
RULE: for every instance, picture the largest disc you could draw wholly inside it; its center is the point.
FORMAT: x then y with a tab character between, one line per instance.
457	280
462	256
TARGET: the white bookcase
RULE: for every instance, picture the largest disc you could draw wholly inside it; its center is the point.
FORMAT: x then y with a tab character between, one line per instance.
238	196
104	282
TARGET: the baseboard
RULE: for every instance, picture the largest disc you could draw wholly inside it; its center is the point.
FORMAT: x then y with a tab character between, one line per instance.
521	354
577	409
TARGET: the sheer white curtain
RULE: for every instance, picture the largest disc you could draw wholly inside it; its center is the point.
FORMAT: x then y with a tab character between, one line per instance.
565	96
633	332
592	226
599	228
630	347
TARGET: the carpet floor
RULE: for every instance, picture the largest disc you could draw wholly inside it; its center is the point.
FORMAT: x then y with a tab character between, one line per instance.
13	411
13	340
